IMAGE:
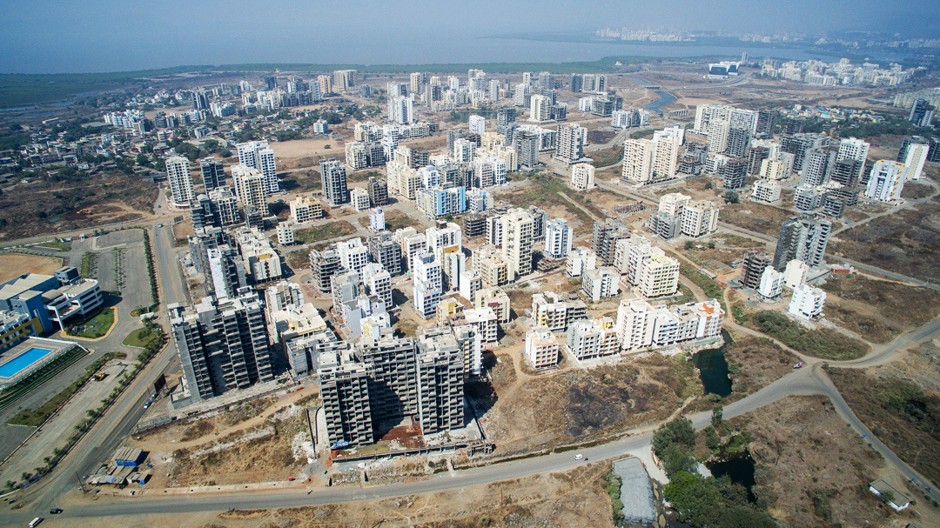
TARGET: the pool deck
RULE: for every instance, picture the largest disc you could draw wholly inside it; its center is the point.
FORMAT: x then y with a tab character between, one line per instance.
55	347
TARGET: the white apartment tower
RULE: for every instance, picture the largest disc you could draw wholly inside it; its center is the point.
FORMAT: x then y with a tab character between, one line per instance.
333	182
807	302
250	187
914	161
570	143
651	160
401	109
558	238
180	181
258	155
582	177
477	125
518	236
886	181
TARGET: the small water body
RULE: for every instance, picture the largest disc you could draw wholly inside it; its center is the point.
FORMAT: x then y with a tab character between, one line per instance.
739	469
713	371
664	96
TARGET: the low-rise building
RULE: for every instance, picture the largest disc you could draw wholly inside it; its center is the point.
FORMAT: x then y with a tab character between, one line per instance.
592	339
305	209
807	302
541	348
555	313
601	283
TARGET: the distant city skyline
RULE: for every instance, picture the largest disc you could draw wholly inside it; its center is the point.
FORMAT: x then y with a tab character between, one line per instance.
108	35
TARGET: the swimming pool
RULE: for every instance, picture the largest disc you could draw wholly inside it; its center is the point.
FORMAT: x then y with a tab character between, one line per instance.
22	361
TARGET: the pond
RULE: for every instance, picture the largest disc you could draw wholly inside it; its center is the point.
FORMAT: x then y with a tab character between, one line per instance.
713	371
739	469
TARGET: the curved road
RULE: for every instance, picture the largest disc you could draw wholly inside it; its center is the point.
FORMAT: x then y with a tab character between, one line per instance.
117	423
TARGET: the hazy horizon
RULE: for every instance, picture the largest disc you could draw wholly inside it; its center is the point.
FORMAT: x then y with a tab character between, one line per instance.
107	35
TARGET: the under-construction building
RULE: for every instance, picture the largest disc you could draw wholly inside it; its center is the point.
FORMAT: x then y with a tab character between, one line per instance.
222	343
382	381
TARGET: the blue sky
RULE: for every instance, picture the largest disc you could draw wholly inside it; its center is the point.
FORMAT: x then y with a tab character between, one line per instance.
110	35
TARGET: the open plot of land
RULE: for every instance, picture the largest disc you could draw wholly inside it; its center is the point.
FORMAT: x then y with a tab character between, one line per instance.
552	195
900	403
812	470
906	242
44	206
573	498
14	264
754	216
824	343
878	310
259	454
532	412
718	252
324	231
754	363
394	219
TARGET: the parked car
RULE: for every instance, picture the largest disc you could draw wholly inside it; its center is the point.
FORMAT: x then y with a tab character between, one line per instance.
799	364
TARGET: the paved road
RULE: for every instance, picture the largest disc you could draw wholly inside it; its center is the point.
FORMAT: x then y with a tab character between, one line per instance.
804	382
118	422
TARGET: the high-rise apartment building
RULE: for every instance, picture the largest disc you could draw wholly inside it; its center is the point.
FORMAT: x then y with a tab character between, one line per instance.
558	238
518	238
582	177
213	173
258	155
222	344
343	80
802	238
333	182
570	143
250	187
180	181
428	285
886	181
653	160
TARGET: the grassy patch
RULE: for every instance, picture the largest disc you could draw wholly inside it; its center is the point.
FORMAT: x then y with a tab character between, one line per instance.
608	156
877	309
141	337
711	287
89	266
543	190
298	259
899	413
94	327
822	343
36	417
326	231
614	483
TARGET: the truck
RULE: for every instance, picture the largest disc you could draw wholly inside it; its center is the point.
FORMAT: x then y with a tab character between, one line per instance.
35	522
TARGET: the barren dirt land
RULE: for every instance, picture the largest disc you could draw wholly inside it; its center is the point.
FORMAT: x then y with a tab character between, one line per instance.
812	470
14	265
574	498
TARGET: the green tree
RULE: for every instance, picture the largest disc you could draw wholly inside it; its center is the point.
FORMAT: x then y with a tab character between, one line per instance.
731	197
689	244
717	415
678	431
712	441
678	458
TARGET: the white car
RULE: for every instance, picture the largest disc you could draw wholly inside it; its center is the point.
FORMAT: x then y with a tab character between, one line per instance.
579	456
